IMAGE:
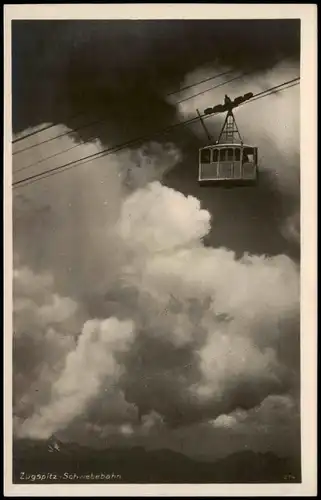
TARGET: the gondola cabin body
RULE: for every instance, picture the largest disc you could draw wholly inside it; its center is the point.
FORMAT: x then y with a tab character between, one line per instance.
228	165
228	162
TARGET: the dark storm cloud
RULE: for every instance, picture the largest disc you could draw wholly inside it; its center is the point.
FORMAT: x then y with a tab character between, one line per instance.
121	70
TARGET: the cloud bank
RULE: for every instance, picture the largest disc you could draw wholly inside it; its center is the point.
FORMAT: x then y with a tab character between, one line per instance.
202	333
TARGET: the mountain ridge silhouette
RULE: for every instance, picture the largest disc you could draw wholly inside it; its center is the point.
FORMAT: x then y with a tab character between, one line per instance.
138	465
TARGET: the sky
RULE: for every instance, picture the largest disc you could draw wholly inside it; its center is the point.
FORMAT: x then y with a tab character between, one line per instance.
149	310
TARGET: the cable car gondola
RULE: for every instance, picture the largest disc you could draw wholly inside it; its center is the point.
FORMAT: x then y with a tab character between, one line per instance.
228	162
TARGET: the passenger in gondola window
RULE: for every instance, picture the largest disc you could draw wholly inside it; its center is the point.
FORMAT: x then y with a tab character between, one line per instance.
248	155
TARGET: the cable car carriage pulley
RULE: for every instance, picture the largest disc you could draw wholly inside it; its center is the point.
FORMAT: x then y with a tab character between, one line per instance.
228	162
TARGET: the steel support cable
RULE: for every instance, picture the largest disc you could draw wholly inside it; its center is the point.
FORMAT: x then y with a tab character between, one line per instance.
113	149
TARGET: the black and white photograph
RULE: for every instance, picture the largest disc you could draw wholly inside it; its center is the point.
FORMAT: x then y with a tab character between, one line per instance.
155	172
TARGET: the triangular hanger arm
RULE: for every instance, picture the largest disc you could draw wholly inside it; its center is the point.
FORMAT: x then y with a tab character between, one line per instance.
230	132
